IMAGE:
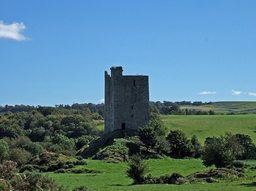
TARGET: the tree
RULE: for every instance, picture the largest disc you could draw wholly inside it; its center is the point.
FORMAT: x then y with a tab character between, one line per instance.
157	124
162	145
137	169
34	148
220	152
19	155
248	146
83	140
45	110
211	112
147	135
153	136
4	150
179	144
175	109
197	148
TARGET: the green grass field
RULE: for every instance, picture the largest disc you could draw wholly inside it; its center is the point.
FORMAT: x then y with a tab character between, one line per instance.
113	177
226	107
212	125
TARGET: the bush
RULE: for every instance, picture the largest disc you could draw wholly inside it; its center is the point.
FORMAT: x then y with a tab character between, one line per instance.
174	178
7	169
28	168
61	170
180	145
79	158
81	188
19	155
137	169
222	151
238	164
33	182
80	162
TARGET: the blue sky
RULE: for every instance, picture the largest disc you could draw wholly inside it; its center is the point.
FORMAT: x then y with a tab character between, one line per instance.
56	52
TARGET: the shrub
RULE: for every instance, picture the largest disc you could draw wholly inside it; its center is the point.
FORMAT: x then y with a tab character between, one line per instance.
137	169
4	186
80	162
81	188
238	164
174	178
79	158
19	155
7	169
180	145
33	182
61	170
220	152
28	168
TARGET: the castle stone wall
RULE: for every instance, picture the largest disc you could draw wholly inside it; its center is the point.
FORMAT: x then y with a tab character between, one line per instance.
126	101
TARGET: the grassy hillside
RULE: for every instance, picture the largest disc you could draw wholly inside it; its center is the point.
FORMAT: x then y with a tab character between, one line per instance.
226	107
212	125
113	177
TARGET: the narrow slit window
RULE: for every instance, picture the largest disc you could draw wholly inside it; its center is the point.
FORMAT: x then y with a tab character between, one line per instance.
134	83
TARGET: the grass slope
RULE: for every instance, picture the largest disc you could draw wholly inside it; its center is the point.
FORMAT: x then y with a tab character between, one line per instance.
114	177
212	125
226	107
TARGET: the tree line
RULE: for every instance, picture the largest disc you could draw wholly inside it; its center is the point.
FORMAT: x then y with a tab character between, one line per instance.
173	108
165	107
99	108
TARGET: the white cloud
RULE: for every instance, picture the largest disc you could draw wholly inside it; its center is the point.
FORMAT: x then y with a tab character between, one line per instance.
252	94
236	92
207	93
102	100
12	31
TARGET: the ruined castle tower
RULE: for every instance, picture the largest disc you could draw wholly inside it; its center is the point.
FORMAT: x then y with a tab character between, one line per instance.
126	101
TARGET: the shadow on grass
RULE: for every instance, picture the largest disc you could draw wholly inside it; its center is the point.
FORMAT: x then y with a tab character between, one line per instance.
253	184
119	185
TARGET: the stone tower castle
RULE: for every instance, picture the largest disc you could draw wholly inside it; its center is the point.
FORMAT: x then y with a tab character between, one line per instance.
126	101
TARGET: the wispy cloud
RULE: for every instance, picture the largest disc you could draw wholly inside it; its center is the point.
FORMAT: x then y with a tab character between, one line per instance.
252	94
12	31
207	93
236	92
102	100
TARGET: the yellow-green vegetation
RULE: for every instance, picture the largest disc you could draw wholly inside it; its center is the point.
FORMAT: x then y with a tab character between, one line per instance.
225	107
114	176
100	126
204	126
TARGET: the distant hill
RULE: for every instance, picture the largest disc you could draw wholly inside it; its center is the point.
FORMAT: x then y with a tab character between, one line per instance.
226	107
204	126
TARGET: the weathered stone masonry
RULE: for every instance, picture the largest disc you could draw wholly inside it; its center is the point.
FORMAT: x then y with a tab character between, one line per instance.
126	101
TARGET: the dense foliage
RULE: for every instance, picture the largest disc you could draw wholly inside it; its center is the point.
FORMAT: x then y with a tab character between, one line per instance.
11	180
56	129
223	151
